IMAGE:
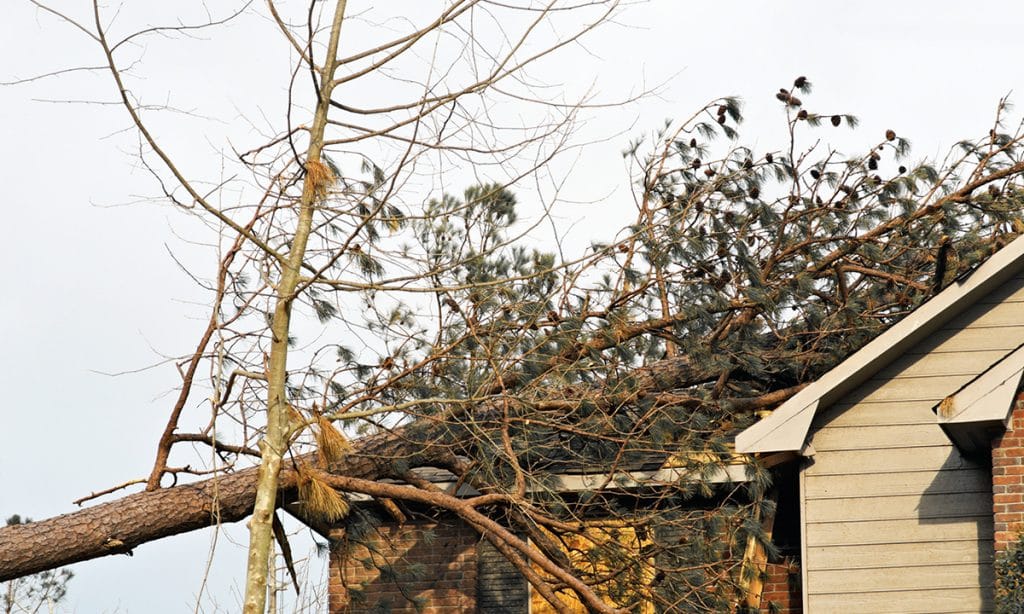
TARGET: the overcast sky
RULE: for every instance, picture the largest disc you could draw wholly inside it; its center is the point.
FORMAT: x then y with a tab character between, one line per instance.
90	287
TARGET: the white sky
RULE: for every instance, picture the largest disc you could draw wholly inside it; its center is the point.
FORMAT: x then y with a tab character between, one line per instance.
90	287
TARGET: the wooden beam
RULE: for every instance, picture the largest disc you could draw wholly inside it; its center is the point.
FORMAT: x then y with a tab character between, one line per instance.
755	558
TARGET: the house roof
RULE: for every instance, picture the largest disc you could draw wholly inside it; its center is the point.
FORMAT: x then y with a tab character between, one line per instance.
787	427
982	406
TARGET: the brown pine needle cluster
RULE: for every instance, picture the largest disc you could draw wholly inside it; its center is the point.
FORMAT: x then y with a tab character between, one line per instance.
333	446
319	499
321	178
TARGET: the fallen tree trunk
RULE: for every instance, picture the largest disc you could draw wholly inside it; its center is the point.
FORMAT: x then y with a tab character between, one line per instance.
119	526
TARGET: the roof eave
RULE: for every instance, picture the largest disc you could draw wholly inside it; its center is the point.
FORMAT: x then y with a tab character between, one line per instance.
981	409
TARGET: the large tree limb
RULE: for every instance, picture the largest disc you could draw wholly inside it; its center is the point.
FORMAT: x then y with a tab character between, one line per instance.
119	526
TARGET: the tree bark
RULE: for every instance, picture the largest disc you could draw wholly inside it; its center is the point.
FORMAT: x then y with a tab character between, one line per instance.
119	526
274	444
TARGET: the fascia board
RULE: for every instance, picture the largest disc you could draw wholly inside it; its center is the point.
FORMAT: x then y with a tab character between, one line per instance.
782	435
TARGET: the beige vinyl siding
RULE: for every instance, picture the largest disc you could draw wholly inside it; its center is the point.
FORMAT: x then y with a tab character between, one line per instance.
897	555
920	601
938	576
895	484
891	460
872	437
938	363
896	519
886	533
1009	293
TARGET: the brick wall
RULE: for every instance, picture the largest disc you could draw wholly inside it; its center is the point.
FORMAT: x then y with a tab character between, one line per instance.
403	566
1008	480
444	568
781	593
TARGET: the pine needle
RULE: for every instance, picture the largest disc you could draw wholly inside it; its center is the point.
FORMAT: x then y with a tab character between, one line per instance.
332	444
946	407
320	176
319	499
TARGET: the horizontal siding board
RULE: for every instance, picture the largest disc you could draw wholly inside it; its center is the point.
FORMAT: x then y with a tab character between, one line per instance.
931	363
899	579
896	532
901	555
932	388
876	414
970	340
990	316
951	506
1010	292
934	601
902	483
887	460
873	437
986	312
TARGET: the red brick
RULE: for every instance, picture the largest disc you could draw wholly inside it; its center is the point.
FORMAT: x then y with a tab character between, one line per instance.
780	590
1008	480
447	586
